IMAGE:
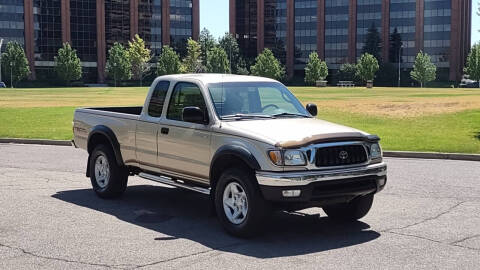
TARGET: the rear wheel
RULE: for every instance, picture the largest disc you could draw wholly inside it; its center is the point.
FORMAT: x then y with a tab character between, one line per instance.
354	210
239	204
108	179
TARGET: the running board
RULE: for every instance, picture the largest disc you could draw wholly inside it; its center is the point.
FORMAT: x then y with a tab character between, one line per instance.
169	181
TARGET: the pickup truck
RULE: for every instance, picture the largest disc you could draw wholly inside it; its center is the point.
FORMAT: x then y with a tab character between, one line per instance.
246	142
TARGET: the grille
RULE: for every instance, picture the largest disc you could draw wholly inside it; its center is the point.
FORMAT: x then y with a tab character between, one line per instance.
340	155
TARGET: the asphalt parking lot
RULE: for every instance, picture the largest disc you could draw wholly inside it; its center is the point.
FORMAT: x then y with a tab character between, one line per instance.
428	216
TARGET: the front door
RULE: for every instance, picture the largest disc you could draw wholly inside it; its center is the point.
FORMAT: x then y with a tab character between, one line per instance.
184	147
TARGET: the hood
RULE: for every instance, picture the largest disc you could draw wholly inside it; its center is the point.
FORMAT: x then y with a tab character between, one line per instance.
291	132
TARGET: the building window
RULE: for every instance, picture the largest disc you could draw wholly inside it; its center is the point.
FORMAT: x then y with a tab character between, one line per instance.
369	13
117	22
11	22
150	24
436	31
276	28
305	31
403	19
336	32
83	25
47	29
180	24
246	28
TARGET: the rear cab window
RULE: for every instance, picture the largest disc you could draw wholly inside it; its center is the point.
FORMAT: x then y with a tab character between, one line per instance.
157	100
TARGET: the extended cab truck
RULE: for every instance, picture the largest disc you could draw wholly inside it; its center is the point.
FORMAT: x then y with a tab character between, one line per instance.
245	141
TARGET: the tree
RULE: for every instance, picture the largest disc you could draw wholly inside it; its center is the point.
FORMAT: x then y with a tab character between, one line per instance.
473	64
241	67
423	69
118	63
217	61
192	62
395	46
168	62
316	69
14	62
266	65
367	66
207	43
229	43
347	72
373	43
67	64
139	56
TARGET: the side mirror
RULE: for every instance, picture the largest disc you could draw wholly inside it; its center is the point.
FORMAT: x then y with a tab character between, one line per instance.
312	109
193	115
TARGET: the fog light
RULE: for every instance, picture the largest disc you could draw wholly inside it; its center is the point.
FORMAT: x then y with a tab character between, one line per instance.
291	193
381	182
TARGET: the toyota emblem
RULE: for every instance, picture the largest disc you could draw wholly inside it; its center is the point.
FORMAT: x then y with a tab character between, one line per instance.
343	155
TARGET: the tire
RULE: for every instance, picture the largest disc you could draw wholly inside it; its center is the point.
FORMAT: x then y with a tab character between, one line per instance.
249	221
354	210
109	180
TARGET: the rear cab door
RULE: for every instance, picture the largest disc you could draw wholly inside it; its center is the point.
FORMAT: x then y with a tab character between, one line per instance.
148	126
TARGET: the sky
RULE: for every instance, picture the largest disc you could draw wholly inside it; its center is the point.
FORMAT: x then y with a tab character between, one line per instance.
214	17
475	23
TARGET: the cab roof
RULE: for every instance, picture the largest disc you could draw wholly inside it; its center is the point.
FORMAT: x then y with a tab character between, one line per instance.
207	78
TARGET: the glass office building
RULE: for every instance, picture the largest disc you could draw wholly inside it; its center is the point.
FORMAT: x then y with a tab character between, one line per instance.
47	30
276	28
117	22
369	14
403	19
437	28
181	20
11	22
337	30
83	25
246	27
305	31
150	24
92	27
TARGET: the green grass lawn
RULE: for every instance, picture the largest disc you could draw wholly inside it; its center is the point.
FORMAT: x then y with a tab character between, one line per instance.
409	119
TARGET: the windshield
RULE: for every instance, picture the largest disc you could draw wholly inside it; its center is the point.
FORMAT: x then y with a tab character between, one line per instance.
255	99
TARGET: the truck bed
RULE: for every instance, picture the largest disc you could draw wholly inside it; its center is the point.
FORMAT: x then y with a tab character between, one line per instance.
126	110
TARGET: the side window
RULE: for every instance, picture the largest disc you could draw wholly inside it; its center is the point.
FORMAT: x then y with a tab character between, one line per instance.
184	95
157	100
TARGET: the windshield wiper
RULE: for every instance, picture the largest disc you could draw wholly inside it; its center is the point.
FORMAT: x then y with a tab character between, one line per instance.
290	114
246	116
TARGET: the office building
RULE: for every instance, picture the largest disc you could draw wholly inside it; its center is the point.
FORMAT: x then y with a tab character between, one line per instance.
93	26
337	29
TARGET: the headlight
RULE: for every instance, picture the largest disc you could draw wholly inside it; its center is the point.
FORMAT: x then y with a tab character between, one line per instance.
294	158
375	151
287	157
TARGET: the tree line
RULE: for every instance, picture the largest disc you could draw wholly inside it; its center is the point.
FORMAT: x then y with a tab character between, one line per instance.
135	61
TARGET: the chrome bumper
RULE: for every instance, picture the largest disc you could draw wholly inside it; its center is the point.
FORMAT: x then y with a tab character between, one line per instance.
302	178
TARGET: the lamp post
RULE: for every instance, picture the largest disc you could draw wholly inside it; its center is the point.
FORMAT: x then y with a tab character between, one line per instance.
1	42
11	74
115	73
399	64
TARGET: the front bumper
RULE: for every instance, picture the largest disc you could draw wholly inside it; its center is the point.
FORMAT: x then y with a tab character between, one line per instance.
323	187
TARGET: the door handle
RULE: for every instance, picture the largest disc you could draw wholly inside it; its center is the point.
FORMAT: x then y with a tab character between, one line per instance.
164	130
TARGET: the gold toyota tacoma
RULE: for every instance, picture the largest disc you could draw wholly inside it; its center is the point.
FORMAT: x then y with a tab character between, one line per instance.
246	142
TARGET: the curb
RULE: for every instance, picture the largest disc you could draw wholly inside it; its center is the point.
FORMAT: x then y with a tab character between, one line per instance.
391	154
36	141
431	155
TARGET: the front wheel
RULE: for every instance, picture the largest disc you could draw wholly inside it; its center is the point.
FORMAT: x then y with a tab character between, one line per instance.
351	211
239	204
108	179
